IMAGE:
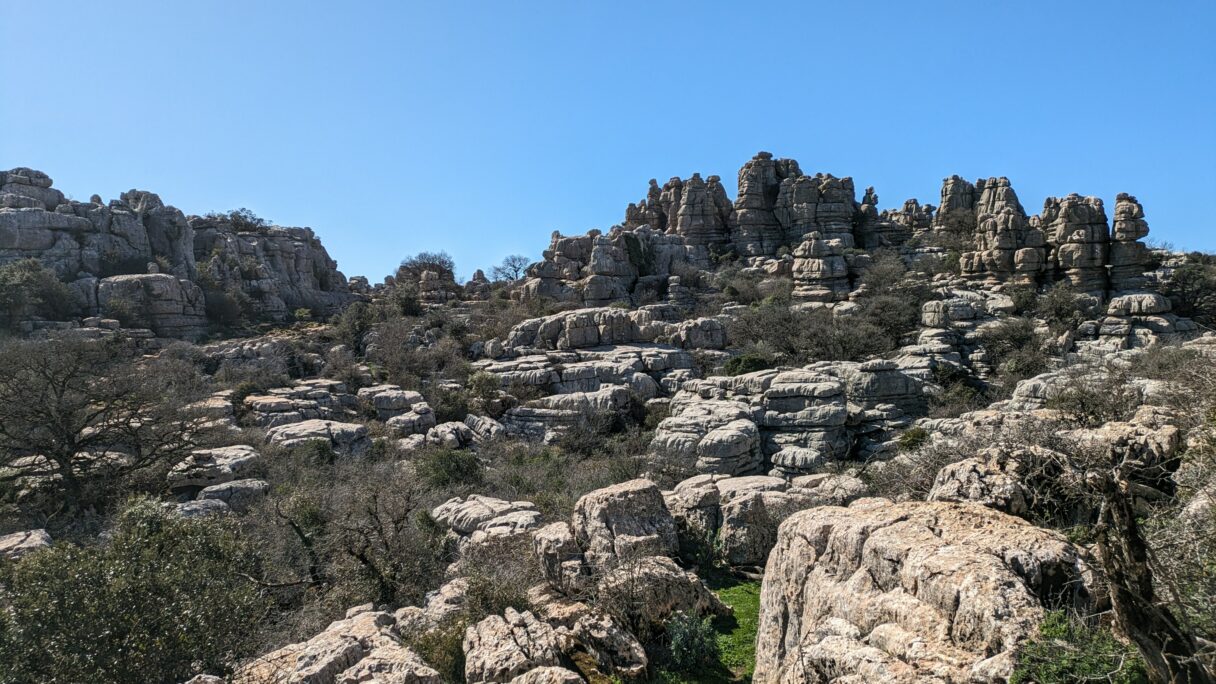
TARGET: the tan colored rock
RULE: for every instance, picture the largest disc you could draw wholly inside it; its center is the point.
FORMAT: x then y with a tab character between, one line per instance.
911	592
621	522
14	546
500	648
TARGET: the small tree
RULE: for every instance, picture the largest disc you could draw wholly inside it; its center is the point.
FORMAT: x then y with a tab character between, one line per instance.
511	268
412	267
74	411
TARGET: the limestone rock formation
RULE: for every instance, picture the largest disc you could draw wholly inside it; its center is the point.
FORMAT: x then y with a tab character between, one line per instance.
348	438
88	244
1076	227
910	592
500	648
742	513
760	181
820	271
365	646
625	521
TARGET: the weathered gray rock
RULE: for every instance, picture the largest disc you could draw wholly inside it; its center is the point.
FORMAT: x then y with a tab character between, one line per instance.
650	590
740	515
621	522
907	592
347	438
14	546
500	648
206	467
169	306
240	495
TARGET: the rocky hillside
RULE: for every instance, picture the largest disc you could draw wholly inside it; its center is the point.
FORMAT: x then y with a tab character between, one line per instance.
142	259
785	438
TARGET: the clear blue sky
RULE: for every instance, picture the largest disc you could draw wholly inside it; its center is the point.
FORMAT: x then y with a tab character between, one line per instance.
479	128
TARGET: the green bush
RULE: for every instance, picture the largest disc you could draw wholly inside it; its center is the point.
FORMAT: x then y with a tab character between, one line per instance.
693	642
1068	650
913	438
448	467
27	288
746	363
162	599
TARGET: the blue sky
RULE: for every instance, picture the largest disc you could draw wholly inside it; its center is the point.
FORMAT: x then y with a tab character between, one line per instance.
479	128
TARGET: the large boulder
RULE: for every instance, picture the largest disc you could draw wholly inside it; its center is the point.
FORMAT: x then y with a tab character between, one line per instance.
500	648
347	438
14	546
739	516
624	521
909	592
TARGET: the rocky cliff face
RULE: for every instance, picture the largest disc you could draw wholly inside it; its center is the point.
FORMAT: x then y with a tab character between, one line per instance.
159	263
690	224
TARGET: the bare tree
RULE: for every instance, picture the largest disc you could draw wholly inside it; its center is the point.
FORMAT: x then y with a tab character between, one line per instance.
512	267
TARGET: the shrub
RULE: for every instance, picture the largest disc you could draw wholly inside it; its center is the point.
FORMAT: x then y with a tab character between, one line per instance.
164	597
913	438
1071	650
27	288
1063	308
442	648
1192	290
693	642
448	467
124	311
302	314
746	363
484	386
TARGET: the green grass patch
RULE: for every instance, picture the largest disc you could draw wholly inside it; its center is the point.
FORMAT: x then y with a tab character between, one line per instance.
736	636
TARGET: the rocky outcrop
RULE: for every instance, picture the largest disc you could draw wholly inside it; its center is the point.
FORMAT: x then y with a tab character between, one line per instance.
821	273
910	592
760	182
622	522
280	269
500	648
477	519
365	646
789	421
343	438
207	467
1077	229
1128	255
165	263
169	306
737	517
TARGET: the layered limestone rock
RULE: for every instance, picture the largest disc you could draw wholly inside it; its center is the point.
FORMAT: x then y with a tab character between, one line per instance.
789	421
1128	255
759	232
820	204
319	398
281	269
365	646
908	592
500	648
820	271
596	269
605	326
739	515
1077	230
166	305
343	438
476	519
86	243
